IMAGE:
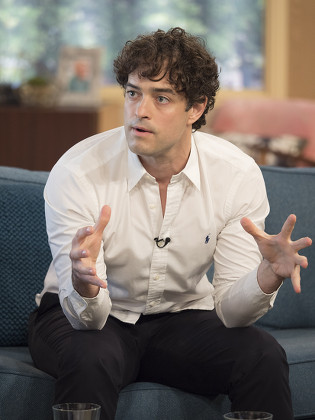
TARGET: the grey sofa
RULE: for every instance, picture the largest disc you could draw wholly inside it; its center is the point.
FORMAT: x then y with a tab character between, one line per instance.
26	393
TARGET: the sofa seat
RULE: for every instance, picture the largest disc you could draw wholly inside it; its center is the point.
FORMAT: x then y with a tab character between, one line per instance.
23	385
299	344
26	392
149	400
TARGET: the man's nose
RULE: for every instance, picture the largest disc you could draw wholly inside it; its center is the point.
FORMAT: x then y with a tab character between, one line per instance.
143	108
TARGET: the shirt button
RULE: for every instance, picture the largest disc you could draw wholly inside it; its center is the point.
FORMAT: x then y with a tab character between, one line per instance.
152	206
151	304
156	277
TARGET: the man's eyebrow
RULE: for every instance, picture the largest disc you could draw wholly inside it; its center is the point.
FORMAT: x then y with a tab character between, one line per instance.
164	90
156	90
128	84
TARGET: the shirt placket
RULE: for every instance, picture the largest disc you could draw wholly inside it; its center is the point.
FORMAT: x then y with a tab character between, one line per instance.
160	255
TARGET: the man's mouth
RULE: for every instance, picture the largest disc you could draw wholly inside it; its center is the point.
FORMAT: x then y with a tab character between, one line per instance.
141	129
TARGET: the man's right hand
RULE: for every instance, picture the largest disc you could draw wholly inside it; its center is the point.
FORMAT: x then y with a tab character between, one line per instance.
84	252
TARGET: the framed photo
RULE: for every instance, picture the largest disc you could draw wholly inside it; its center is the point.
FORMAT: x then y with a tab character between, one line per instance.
79	76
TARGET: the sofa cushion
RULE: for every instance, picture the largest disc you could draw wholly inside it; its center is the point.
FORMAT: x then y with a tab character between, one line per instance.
24	250
26	392
291	190
146	400
141	400
299	345
20	379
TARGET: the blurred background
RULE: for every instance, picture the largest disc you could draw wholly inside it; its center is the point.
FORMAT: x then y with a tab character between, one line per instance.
57	85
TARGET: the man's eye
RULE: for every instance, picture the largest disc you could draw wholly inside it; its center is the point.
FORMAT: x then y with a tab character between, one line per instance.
131	93
162	99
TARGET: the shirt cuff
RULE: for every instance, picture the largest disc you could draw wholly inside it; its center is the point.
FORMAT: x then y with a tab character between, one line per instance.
87	313
245	302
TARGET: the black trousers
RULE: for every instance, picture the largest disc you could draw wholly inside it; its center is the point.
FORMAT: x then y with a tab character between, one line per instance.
191	350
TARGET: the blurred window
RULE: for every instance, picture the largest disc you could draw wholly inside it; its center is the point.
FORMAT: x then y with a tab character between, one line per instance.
32	32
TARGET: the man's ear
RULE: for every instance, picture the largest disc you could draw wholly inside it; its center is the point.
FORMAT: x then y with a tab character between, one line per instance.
196	110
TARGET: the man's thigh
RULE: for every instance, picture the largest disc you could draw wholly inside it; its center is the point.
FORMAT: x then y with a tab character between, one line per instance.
194	351
57	347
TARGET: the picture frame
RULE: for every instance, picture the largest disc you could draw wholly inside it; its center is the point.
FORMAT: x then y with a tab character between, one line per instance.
79	77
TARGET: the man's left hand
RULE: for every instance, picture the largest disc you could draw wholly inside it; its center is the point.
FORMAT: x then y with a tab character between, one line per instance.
280	253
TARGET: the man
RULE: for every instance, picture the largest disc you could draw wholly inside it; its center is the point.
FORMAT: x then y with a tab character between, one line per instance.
135	218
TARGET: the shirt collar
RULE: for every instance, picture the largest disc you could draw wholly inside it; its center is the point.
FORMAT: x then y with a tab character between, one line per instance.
191	169
136	171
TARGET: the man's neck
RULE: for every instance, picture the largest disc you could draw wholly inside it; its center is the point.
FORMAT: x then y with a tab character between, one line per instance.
163	169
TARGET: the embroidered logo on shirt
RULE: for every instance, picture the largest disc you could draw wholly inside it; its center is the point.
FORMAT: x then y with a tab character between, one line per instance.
207	238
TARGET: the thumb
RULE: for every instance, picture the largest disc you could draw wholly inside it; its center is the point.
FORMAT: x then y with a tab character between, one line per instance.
251	228
248	226
103	219
296	279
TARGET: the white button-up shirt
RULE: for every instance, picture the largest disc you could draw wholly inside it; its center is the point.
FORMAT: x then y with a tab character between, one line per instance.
205	202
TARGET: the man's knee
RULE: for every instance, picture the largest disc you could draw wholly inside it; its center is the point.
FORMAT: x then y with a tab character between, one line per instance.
264	355
274	356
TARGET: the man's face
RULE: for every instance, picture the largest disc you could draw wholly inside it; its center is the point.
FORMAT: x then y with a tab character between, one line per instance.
157	124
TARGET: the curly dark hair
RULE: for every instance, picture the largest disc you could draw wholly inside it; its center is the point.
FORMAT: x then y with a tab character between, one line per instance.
190	68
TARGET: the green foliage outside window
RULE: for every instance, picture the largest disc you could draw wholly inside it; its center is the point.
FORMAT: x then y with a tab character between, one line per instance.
32	32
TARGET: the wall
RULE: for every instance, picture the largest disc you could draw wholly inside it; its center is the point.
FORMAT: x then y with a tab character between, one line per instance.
301	61
290	52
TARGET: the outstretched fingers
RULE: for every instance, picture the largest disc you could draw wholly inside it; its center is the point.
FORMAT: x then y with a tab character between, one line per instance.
83	233
84	252
252	229
103	219
301	243
296	279
78	239
280	251
288	226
